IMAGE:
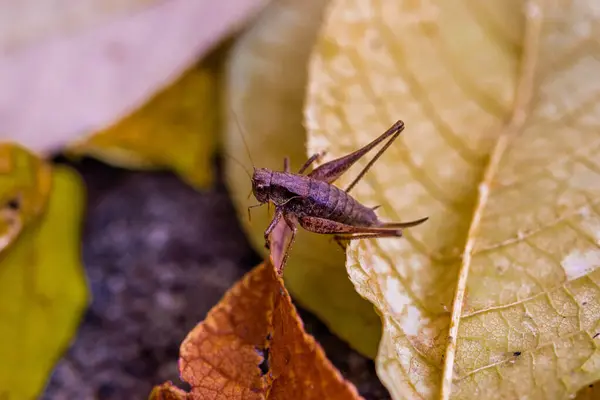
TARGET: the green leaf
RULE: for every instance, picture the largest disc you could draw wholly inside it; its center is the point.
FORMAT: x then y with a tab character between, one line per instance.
42	285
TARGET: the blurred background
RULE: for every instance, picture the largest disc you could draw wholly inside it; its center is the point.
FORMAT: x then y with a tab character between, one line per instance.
125	94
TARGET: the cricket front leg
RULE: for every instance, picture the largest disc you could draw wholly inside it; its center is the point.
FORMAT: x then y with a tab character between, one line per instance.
272	225
292	225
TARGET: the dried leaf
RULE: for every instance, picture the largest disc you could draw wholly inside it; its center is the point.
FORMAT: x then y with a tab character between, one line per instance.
176	129
266	78
514	226
590	392
42	285
72	70
252	345
167	391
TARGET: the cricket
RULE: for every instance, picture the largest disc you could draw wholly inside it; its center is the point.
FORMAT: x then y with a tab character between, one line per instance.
313	202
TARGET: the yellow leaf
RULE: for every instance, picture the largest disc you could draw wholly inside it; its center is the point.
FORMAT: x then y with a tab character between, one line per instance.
265	77
25	183
496	296
42	285
175	129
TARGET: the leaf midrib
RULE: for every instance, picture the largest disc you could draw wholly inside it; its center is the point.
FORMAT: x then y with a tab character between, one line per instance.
523	96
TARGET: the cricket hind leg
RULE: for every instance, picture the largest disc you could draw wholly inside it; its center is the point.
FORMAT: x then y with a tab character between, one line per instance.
392	233
326	226
395	133
332	170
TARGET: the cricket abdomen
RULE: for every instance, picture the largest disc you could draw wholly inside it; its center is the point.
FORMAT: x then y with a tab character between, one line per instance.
324	200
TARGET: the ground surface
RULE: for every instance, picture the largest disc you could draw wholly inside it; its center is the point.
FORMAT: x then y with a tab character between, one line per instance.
158	256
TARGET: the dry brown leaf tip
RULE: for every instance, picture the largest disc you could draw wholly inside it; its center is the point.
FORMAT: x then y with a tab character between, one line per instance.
167	391
252	345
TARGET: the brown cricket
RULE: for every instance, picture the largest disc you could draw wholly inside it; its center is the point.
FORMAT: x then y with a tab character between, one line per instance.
313	201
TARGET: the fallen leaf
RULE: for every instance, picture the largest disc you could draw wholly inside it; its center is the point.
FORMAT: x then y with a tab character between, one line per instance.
266	76
177	129
42	285
38	23
72	70
252	345
25	183
590	392
501	104
167	391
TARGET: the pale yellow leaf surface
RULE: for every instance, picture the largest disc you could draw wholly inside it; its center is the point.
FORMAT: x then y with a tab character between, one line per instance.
501	150
42	286
266	76
176	129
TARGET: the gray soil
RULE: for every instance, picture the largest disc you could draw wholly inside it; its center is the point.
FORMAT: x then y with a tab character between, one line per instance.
158	255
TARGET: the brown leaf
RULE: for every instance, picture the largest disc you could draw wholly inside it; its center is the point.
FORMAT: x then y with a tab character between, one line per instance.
589	392
252	345
167	391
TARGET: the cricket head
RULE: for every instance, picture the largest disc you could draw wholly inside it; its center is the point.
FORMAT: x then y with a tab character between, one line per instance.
261	184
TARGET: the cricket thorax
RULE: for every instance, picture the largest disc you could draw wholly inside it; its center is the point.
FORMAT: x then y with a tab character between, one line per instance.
286	187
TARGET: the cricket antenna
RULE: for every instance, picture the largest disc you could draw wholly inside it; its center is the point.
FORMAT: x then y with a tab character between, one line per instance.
241	131
238	162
